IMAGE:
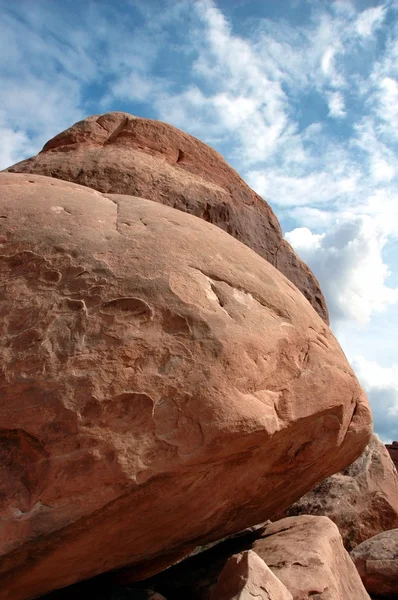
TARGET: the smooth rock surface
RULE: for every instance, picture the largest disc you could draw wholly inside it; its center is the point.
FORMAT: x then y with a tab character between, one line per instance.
122	154
307	554
162	386
362	499
377	564
246	576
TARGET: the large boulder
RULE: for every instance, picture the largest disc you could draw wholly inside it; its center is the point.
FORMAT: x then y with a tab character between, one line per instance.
377	563
162	386
122	154
362	499
307	555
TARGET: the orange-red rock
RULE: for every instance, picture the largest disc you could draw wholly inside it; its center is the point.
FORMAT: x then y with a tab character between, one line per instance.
307	554
246	576
162	385
122	154
362	499
377	563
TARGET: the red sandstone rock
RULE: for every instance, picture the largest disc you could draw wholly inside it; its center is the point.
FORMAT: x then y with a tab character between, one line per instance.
246	576
377	563
307	554
122	154
162	386
393	451
362	500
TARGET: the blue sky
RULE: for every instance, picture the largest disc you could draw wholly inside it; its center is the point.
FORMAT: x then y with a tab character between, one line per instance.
300	97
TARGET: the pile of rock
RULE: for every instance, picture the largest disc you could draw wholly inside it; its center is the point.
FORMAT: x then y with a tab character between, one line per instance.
362	499
164	385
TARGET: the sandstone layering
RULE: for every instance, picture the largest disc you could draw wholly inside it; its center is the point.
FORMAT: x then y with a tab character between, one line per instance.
121	154
162	385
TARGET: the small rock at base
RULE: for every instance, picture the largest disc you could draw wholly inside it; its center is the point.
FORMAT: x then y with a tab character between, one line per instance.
246	576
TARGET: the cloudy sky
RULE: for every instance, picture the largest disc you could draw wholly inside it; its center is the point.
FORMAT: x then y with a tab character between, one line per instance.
300	96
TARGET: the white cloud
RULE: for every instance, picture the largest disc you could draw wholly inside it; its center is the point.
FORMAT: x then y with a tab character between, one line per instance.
382	170
336	105
314	218
348	263
15	145
388	102
135	86
246	101
328	66
40	104
369	20
307	189
50	58
382	206
343	7
381	386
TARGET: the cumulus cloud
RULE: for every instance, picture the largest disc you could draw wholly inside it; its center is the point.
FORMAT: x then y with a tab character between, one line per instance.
381	386
348	262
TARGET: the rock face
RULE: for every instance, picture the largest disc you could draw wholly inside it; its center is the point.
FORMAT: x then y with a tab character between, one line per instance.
393	451
307	555
246	576
121	154
377	563
362	499
162	386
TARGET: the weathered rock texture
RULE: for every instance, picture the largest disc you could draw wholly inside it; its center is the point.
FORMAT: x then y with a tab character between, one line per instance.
393	451
307	554
246	576
121	154
377	563
362	499
161	386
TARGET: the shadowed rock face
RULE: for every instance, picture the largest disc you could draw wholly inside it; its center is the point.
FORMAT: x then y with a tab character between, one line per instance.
121	154
162	386
304	553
